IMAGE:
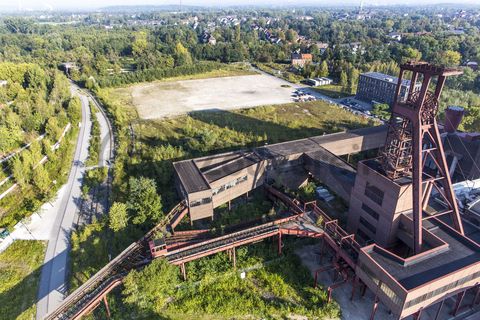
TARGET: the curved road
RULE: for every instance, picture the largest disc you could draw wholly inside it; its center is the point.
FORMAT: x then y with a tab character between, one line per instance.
53	280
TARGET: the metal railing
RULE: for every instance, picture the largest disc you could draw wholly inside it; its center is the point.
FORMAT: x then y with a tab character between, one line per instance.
135	256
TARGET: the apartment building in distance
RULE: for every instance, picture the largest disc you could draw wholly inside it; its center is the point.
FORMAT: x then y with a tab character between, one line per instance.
379	87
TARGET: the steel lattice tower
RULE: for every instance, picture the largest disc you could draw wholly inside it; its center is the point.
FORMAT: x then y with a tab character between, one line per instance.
413	141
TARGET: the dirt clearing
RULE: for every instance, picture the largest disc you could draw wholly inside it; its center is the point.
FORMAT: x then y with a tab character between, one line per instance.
169	98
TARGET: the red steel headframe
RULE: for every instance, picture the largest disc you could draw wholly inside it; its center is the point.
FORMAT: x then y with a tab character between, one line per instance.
414	149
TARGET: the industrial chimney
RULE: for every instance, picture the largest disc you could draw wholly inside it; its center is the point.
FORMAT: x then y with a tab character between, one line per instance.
453	118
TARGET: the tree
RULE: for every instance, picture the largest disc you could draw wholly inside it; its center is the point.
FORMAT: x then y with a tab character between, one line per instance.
21	169
10	138
353	75
182	56
381	110
41	180
140	43
143	200
410	53
449	58
343	81
118	216
291	36
323	69
52	129
150	288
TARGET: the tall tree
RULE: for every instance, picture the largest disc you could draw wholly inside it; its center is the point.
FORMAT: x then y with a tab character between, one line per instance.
343	81
143	200
353	75
182	56
118	216
323	69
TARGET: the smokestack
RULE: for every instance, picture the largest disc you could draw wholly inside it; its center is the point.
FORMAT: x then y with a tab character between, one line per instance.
453	118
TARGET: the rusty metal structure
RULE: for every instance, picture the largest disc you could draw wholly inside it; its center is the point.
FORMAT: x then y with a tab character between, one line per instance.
412	157
413	147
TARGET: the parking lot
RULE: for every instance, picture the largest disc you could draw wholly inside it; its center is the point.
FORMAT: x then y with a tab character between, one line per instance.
169	98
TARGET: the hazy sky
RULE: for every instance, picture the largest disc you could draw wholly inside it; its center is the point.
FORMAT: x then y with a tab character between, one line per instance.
83	4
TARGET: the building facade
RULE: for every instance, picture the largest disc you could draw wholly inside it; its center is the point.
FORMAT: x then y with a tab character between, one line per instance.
299	60
379	87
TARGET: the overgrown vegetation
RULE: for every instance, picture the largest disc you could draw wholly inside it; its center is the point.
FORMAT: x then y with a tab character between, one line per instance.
332	91
39	102
275	287
154	145
19	275
94	142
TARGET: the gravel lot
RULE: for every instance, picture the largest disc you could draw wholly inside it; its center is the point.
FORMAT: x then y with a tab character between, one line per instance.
165	99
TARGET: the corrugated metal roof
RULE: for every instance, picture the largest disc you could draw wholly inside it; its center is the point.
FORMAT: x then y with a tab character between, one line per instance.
191	178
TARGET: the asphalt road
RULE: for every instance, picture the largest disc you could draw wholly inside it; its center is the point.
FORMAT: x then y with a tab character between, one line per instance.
52	288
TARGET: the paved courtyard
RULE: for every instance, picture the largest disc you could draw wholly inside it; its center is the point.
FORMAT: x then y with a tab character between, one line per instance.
163	99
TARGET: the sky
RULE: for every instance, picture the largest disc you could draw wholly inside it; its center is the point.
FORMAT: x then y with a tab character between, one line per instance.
93	4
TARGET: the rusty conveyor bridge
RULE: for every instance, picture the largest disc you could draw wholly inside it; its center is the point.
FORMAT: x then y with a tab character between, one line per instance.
305	220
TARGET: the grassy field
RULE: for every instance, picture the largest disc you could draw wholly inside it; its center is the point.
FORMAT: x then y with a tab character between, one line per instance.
19	276
281	70
333	91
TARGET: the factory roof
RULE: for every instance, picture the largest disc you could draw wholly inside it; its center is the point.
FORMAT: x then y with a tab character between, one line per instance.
224	169
385	77
460	253
190	176
197	174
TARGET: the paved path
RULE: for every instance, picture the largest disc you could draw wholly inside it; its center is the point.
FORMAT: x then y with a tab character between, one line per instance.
52	286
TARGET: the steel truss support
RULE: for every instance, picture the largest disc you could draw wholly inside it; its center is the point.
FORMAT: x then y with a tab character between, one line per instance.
439	309
107	308
374	308
458	302
413	142
184	271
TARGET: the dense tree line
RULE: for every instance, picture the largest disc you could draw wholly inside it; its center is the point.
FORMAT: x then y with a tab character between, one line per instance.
35	108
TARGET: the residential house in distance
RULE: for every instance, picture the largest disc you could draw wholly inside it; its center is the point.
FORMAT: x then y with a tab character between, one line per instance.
395	36
299	60
208	38
380	88
353	47
322	46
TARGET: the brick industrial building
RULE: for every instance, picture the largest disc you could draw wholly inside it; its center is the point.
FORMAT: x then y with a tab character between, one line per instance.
379	87
410	260
415	253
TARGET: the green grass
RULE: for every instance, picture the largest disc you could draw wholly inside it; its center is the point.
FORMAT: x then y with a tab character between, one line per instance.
229	70
333	91
19	276
275	287
280	70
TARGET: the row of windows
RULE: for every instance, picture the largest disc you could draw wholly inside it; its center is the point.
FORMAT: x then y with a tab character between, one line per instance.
370	211
229	185
441	290
370	227
374	193
196	203
363	235
383	286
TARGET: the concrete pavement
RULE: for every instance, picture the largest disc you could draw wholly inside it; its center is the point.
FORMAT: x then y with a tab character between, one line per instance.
52	288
